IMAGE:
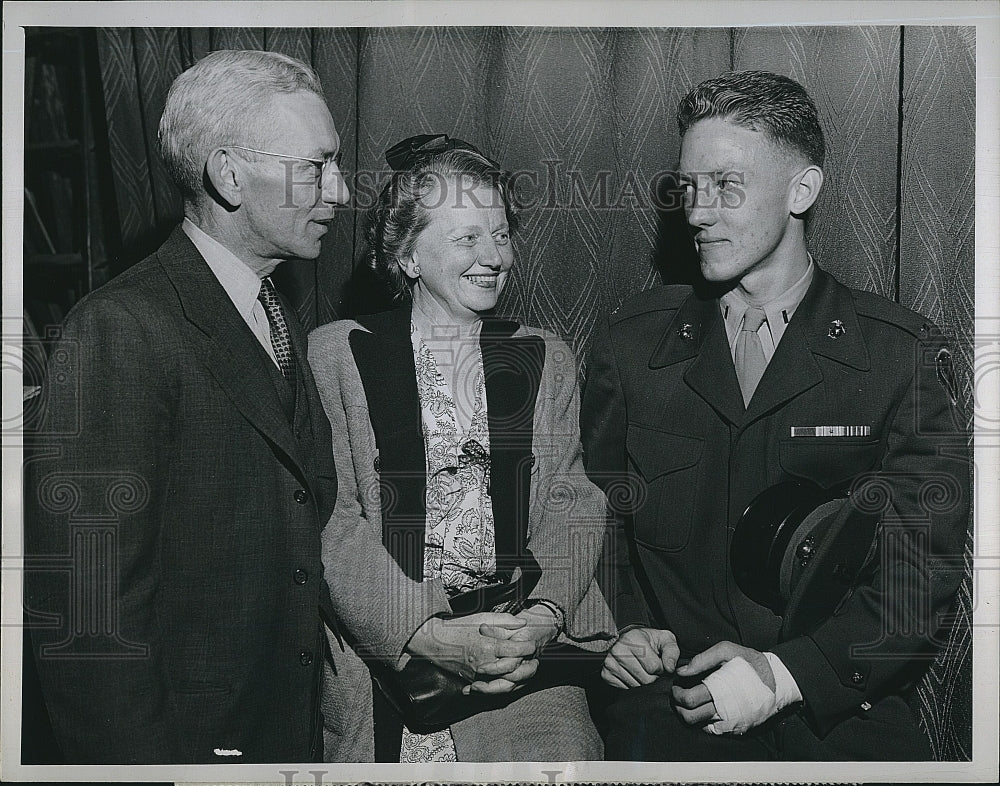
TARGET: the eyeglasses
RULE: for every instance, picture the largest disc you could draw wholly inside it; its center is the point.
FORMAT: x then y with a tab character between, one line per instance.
323	165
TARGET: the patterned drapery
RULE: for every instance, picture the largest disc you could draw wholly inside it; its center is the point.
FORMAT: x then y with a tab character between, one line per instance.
587	116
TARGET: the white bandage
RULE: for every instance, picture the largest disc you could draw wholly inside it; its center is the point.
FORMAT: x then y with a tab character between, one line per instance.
741	699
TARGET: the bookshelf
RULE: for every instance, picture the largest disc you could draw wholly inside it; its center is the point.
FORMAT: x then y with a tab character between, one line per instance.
65	153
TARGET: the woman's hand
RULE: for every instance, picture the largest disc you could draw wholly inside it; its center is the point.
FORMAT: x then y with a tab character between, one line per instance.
541	625
459	645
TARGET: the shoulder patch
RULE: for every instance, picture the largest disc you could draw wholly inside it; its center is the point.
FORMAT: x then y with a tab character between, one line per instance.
944	367
667	297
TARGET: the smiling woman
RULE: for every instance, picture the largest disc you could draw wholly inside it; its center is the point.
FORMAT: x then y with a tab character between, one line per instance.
461	429
459	263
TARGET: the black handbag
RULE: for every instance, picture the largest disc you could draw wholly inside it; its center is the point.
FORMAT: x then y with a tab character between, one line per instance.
429	698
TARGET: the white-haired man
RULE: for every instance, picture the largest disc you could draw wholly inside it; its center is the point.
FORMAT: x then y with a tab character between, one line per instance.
187	387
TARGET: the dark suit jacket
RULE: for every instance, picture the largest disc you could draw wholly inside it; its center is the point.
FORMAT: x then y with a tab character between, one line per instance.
662	409
180	510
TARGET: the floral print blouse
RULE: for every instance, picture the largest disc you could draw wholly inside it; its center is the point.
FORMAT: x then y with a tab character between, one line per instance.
459	544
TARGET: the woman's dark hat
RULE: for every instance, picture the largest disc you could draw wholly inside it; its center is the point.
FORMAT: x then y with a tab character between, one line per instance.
799	550
403	155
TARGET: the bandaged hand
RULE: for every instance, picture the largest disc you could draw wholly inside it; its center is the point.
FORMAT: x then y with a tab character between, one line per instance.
741	689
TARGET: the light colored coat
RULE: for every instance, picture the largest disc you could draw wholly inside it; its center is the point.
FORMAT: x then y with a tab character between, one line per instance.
566	522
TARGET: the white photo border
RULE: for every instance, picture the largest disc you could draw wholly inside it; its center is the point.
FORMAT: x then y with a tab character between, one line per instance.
984	16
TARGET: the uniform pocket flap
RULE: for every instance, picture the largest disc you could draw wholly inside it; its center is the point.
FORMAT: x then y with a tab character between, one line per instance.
656	452
828	460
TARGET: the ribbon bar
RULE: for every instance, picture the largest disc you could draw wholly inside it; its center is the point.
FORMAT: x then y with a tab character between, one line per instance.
831	431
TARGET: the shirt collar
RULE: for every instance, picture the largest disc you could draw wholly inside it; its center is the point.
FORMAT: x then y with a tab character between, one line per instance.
778	311
240	282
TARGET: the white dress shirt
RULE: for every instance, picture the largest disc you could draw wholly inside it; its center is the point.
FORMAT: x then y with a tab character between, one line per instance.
778	312
242	284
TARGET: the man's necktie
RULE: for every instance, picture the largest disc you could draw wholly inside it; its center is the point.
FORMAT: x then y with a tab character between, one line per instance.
750	362
280	342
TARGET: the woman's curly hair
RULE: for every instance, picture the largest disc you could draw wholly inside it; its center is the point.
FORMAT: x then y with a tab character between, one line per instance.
399	215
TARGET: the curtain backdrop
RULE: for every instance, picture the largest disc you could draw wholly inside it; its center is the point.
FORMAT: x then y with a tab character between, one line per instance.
588	116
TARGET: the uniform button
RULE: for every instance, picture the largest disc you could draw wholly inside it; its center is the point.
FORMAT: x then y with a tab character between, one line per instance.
857	678
377	464
301	577
301	496
305	657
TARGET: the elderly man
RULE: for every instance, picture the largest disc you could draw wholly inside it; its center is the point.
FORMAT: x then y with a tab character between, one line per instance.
189	416
188	472
770	372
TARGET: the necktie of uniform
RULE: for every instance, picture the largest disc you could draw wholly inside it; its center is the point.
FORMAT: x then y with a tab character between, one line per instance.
750	362
280	342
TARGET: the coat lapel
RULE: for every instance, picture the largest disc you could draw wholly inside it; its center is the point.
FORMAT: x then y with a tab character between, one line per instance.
384	359
512	369
697	331
825	324
309	418
793	368
231	352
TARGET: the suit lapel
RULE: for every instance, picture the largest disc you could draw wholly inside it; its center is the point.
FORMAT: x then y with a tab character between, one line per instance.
230	351
697	331
512	369
830	325
310	419
793	368
825	323
384	359
303	375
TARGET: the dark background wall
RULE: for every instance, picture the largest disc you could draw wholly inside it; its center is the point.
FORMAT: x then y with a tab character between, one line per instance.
896	215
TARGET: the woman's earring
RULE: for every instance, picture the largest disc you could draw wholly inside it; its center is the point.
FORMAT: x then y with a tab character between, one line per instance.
416	271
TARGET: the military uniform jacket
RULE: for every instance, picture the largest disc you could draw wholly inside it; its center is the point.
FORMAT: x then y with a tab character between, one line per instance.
667	436
179	493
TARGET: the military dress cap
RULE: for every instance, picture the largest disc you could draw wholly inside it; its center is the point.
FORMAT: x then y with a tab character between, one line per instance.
799	549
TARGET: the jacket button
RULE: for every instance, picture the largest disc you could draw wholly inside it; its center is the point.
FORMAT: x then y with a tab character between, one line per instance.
377	464
300	576
305	657
857	678
301	496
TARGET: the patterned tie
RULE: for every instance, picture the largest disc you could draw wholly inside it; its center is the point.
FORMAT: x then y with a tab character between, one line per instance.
750	363
280	342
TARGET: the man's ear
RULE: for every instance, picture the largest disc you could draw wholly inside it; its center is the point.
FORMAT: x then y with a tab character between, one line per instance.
222	171
409	265
805	190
